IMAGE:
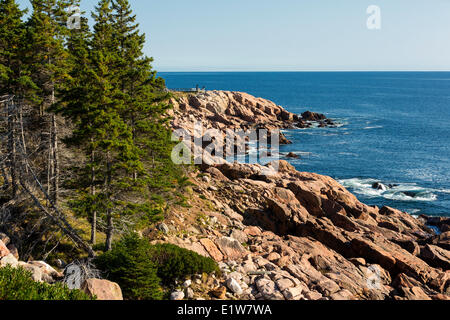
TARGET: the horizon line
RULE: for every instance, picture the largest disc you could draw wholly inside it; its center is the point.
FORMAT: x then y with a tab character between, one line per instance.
288	71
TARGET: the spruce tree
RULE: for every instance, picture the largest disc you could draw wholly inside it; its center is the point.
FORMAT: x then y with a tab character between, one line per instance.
12	33
47	56
94	103
145	100
117	105
79	102
48	63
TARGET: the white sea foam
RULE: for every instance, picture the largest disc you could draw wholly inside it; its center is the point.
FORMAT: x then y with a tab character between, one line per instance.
373	127
399	192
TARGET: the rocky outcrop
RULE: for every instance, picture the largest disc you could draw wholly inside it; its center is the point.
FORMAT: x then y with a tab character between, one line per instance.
297	235
222	110
42	272
282	234
232	110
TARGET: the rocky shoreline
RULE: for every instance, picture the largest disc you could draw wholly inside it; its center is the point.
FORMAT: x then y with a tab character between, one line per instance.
284	234
223	110
281	234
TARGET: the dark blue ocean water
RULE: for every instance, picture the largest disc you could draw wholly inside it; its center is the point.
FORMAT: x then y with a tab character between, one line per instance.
395	129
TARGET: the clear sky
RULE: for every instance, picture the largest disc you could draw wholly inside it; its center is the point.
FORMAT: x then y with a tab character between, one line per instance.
293	35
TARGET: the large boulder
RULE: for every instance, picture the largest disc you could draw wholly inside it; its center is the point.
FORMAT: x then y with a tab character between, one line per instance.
36	272
231	248
46	269
313	116
285	212
4	251
9	260
102	289
436	256
312	189
212	249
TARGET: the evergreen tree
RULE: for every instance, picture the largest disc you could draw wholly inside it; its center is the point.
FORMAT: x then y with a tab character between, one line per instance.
47	57
12	33
48	63
94	102
117	104
145	100
79	102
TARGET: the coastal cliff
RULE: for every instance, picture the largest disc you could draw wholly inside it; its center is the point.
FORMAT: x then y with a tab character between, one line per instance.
285	234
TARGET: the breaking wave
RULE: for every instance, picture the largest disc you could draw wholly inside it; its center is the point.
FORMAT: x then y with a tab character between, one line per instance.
373	127
396	191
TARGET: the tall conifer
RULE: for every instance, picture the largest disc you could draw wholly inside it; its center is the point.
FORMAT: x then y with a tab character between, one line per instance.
145	99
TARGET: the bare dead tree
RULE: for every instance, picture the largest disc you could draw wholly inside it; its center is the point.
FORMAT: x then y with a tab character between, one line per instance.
55	160
11	146
22	172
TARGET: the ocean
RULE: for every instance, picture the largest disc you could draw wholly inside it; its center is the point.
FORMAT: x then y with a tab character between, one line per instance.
394	129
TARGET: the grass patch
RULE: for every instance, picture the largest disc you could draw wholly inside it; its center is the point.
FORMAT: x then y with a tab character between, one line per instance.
17	284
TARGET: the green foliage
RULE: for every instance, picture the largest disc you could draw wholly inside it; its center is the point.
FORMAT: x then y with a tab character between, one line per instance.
100	80
46	56
129	265
177	263
17	284
117	104
14	71
140	268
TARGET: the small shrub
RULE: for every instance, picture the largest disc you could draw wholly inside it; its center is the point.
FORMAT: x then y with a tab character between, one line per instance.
17	284
176	263
129	265
140	268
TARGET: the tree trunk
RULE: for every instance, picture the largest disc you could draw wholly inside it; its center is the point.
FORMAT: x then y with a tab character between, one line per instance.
50	163
133	128
94	212
55	160
109	219
52	212
12	147
22	133
109	232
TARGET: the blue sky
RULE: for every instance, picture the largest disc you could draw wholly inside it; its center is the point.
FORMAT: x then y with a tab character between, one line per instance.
293	35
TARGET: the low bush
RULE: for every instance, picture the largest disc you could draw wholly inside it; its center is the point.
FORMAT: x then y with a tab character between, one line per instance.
129	265
141	268
176	263
17	284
